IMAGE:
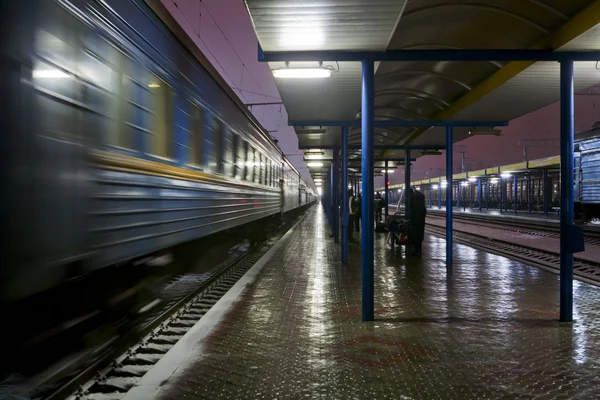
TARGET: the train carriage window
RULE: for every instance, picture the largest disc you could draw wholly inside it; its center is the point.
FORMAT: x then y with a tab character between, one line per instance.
161	142
268	167
227	152
210	145
250	164
240	163
218	140
257	160
196	136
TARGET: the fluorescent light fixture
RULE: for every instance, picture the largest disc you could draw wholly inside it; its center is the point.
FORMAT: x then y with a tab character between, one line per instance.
505	175
494	180
311	131
399	190
472	179
314	164
434	187
314	153
444	184
349	186
49	73
302	73
465	183
390	171
153	85
318	180
485	131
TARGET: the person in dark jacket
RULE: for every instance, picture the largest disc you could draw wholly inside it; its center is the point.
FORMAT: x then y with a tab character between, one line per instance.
358	213
416	233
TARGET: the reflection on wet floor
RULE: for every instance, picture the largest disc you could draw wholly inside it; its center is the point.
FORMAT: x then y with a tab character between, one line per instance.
487	330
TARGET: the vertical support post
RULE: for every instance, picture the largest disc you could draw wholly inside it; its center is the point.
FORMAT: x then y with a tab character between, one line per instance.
567	166
545	192
385	197
515	194
501	194
439	196
458	195
529	190
479	195
407	198
430	196
345	204
449	195
336	198
367	158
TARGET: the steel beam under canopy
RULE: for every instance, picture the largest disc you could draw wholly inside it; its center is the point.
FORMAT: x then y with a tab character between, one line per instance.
429	55
390	123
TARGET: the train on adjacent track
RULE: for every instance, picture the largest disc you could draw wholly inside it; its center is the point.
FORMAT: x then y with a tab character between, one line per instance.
120	140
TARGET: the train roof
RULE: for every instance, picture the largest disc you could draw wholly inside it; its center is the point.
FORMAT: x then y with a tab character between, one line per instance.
592	133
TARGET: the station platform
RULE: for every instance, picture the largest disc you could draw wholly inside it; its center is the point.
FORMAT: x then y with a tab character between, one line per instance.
292	329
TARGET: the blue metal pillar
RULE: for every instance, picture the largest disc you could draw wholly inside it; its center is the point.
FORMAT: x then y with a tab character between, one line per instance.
479	195
430	196
367	158
407	198
329	198
501	194
345	204
567	165
336	198
515	194
529	190
545	191
449	195
385	198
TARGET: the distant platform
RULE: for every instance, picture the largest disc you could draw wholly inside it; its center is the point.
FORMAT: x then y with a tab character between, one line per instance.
292	329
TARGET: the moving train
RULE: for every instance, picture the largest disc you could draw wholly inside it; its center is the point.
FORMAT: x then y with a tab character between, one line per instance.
120	140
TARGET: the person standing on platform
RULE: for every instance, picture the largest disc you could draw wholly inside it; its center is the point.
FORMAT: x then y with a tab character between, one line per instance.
358	219
351	214
378	207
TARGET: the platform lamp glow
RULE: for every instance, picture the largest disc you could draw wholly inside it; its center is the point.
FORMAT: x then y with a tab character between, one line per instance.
314	164
302	72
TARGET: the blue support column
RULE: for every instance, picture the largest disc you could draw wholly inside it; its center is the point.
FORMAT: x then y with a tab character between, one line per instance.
385	197
479	195
567	166
515	194
501	194
336	198
449	195
545	192
430	196
345	210
407	183
368	241
529	190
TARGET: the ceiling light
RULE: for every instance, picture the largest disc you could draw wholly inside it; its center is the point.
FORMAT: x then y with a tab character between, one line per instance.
444	184
153	85
311	131
302	72
494	180
390	171
49	73
505	175
485	131
318	180
465	183
314	164
314	153
434	187
472	179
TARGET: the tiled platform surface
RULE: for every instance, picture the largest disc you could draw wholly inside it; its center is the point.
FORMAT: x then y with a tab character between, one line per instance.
489	330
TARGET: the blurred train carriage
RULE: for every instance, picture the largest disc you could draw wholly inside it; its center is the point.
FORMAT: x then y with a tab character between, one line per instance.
120	140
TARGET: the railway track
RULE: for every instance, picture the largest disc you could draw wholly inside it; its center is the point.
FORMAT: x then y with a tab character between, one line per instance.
584	270
118	363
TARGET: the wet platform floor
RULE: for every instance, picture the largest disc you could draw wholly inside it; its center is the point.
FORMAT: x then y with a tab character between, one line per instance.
487	330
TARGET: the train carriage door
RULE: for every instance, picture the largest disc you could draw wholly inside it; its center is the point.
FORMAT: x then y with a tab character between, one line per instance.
240	155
